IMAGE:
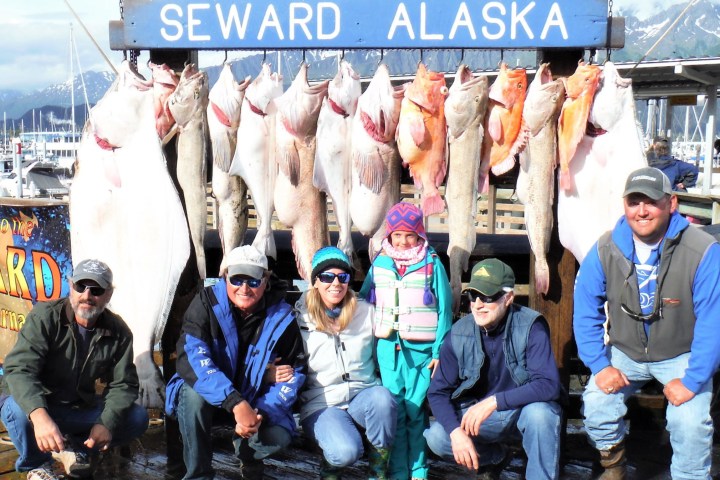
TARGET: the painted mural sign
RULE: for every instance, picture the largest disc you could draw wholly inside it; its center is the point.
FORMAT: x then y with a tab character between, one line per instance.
328	24
34	261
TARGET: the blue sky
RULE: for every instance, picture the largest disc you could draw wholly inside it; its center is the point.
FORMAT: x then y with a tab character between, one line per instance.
36	33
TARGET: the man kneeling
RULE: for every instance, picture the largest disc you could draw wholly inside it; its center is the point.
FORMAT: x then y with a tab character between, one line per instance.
497	379
63	347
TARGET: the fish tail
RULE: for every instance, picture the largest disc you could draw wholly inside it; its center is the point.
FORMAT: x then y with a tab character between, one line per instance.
565	180
433	203
542	276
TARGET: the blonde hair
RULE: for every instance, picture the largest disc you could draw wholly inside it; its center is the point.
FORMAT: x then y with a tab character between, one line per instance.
316	310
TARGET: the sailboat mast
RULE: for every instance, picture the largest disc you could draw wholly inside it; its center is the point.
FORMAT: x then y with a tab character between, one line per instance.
72	85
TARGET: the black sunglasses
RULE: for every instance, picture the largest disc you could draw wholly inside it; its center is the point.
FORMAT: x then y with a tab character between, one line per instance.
473	296
656	314
239	281
94	290
329	277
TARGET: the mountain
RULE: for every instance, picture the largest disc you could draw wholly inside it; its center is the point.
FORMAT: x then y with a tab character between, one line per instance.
697	34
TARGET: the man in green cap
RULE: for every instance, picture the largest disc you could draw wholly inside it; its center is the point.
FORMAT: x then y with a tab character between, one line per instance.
497	380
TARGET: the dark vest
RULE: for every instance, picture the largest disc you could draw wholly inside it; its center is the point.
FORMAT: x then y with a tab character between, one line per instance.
672	333
468	347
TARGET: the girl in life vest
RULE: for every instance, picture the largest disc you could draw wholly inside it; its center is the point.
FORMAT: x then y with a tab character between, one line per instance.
413	313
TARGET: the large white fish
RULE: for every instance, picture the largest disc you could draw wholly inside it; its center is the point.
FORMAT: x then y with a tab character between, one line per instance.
124	210
254	158
609	150
223	114
375	158
297	202
536	179
333	162
465	109
188	104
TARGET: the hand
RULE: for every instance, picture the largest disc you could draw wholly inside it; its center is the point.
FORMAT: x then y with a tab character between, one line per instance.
275	373
432	366
677	393
99	438
610	380
247	420
47	434
478	413
464	449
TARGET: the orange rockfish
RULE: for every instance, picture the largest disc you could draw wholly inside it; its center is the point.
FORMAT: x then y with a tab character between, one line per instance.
421	135
504	123
580	90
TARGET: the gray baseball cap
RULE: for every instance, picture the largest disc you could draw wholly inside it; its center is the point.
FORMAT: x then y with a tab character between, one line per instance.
246	260
95	270
648	181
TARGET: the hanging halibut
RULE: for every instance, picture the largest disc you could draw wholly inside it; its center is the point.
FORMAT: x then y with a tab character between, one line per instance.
164	81
125	211
375	159
464	111
421	136
188	105
333	163
536	179
298	203
223	114
254	159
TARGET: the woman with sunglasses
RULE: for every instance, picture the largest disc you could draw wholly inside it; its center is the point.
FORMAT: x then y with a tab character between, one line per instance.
343	400
413	313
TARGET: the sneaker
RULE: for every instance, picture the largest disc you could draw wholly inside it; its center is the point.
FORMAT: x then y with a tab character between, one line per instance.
76	462
493	471
252	470
43	472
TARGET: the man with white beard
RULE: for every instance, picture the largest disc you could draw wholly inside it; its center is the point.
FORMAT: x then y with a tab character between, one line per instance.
63	348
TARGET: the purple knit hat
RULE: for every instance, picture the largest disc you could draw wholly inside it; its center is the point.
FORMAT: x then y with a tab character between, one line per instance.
406	217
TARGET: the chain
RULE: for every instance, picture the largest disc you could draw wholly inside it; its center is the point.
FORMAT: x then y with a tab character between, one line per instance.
610	14
134	54
122	10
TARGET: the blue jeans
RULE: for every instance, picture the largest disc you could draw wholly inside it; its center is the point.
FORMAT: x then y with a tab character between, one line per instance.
195	418
336	429
73	422
537	423
690	424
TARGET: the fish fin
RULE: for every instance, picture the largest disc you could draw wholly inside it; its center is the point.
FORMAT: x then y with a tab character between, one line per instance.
289	161
417	129
222	157
432	203
112	173
265	242
371	170
319	179
504	166
565	179
495	128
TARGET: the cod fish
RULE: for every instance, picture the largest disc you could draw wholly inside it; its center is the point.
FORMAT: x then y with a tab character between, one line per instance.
580	91
333	163
165	80
465	109
536	179
375	159
298	203
421	135
610	148
188	104
506	133
254	159
223	114
136	223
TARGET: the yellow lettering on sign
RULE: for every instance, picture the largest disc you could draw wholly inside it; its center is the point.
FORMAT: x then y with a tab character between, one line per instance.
16	279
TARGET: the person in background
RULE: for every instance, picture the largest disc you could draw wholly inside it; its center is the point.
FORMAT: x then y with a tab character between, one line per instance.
239	354
343	404
497	380
658	278
64	347
682	175
413	313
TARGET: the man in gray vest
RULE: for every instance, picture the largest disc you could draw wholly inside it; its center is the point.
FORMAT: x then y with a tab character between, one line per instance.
660	278
496	380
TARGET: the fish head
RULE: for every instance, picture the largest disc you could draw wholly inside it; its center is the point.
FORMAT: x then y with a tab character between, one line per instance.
509	87
164	76
344	90
379	106
467	99
427	90
299	106
544	99
614	96
584	81
190	96
266	87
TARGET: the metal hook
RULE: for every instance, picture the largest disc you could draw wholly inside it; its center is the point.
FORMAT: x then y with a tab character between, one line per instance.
303	61
382	55
502	56
462	55
593	52
225	60
342	55
264	57
421	55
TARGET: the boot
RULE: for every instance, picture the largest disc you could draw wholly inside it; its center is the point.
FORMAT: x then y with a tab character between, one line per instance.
378	459
613	461
329	472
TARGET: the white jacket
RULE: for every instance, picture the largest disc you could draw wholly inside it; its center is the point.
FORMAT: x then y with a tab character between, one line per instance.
339	365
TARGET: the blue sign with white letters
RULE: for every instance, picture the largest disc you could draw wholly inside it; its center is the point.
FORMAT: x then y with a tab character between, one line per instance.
332	24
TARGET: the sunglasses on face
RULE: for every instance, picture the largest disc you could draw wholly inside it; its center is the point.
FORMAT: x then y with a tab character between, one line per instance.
473	296
94	290
329	277
239	281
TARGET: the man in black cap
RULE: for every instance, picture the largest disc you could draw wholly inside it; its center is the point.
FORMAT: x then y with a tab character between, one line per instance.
63	348
657	278
497	380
